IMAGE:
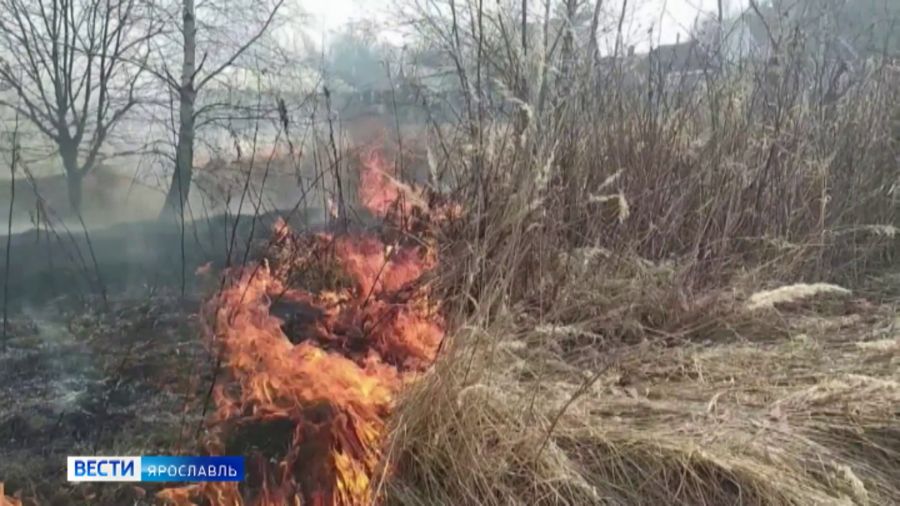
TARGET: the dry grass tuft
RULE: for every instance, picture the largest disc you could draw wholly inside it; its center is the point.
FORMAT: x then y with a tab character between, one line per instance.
809	420
786	294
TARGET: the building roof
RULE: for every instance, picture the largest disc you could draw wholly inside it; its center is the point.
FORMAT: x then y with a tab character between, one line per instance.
681	57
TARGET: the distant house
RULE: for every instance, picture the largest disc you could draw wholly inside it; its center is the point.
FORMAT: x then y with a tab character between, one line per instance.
713	49
681	62
745	39
829	40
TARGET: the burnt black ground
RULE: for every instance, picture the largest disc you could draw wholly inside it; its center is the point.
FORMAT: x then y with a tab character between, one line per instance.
107	358
130	380
135	256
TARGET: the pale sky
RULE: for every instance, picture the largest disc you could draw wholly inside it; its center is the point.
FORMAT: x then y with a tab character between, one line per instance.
331	14
672	19
674	16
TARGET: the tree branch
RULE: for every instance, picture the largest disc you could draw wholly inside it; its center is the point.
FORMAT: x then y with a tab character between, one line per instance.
243	48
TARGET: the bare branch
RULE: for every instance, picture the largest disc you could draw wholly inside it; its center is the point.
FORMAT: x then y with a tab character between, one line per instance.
237	54
75	68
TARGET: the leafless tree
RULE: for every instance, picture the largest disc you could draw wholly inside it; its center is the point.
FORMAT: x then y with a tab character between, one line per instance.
221	33
74	70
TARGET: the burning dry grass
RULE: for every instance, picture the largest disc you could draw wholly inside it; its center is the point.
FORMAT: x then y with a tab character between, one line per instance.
6	500
315	341
507	419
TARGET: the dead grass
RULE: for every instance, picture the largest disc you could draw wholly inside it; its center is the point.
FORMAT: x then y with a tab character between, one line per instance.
618	340
808	418
767	299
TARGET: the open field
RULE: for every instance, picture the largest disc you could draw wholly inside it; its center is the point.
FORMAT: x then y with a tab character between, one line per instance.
600	276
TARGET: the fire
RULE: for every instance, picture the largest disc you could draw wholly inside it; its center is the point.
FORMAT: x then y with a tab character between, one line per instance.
6	500
313	367
379	189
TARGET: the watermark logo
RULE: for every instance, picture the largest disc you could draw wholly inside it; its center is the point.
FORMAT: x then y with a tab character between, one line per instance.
155	469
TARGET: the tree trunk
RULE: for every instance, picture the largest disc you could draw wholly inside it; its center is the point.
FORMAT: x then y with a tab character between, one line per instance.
73	182
74	175
184	152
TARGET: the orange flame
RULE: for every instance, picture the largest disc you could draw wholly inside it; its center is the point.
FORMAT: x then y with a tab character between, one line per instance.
306	392
6	500
380	190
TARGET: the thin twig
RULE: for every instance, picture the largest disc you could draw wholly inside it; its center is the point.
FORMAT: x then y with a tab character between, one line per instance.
12	200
